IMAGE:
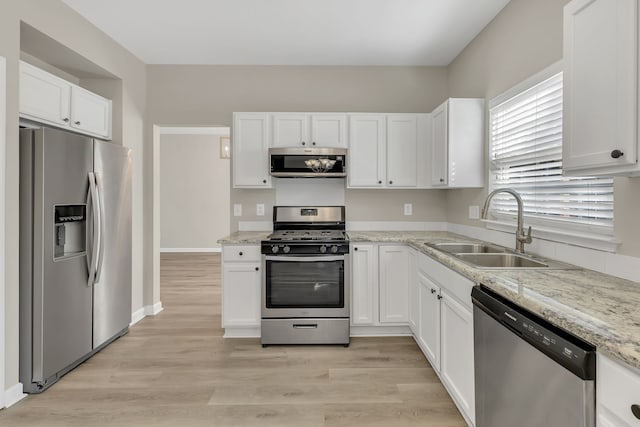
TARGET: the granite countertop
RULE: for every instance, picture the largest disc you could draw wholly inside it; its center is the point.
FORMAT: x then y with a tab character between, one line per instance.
601	309
244	237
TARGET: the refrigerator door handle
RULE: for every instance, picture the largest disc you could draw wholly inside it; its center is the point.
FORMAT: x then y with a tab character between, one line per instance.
100	198
95	233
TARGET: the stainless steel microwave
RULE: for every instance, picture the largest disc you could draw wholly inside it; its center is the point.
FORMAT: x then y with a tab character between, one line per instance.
297	162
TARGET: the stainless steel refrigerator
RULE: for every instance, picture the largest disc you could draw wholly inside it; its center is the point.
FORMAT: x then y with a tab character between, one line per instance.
75	251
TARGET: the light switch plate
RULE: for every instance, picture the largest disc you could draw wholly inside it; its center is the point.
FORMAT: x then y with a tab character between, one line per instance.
260	209
237	209
474	212
408	209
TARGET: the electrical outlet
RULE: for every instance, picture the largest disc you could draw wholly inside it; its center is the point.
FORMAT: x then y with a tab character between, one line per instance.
408	209
237	209
474	212
260	209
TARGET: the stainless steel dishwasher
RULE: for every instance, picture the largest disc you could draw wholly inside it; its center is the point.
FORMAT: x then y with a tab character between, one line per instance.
528	373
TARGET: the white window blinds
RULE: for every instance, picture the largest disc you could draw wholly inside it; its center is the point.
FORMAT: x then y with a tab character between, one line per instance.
526	155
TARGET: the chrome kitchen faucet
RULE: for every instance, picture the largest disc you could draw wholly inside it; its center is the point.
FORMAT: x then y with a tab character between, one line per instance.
521	237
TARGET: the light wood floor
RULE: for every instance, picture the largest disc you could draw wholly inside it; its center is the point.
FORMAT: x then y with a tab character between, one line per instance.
175	369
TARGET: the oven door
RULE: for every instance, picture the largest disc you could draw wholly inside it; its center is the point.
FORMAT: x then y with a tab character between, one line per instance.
305	286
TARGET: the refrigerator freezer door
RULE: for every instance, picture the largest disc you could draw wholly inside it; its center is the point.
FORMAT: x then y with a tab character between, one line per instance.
112	290
61	300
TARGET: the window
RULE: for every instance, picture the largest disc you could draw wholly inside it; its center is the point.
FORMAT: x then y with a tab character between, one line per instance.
526	155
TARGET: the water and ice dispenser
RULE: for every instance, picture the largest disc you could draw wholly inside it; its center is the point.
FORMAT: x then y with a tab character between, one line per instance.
70	225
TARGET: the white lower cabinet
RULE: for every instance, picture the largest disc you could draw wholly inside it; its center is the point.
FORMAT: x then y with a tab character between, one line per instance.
241	290
445	332
456	352
379	285
617	394
428	335
394	284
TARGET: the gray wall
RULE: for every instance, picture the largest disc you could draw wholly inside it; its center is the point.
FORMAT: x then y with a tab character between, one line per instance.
523	39
194	191
57	21
208	95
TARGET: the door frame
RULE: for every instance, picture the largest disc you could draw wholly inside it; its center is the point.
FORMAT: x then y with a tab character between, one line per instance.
3	145
158	130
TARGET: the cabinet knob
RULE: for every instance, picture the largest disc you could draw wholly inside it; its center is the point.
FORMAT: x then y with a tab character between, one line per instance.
257	268
304	143
78	122
264	181
66	120
313	143
240	254
439	296
379	182
355	249
635	410
433	291
390	182
441	179
616	154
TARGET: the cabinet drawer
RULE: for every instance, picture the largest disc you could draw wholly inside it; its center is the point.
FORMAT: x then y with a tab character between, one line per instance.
241	253
455	284
618	388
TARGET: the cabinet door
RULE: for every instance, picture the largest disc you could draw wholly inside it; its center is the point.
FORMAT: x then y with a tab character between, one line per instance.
600	83
241	294
364	284
618	388
329	130
44	96
456	363
250	150
439	141
402	151
414	293
394	284
90	113
429	328
366	155
291	130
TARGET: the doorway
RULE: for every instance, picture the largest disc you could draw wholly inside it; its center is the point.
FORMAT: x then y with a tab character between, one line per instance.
192	181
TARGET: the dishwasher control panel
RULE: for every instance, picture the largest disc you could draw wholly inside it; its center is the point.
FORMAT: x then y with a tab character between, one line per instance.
560	345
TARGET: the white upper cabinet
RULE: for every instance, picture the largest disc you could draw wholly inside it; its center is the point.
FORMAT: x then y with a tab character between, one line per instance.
90	113
600	117
250	151
402	149
366	155
389	150
309	130
329	130
457	159
51	100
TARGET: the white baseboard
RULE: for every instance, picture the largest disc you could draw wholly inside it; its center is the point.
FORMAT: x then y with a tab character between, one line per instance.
242	332
13	395
152	310
379	331
218	249
137	316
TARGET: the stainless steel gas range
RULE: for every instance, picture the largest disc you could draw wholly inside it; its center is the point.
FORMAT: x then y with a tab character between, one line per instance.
305	286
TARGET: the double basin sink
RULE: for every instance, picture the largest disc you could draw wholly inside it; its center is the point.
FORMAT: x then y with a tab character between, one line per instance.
489	256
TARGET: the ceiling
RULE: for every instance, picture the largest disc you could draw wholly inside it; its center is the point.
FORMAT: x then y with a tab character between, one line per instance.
292	32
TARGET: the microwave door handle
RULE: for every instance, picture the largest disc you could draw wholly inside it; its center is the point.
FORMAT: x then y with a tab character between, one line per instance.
304	258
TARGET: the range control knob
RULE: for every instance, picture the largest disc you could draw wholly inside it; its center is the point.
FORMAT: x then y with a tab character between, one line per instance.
286	249
334	249
323	249
275	249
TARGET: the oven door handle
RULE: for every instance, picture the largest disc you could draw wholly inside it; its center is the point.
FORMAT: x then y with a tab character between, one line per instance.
304	258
